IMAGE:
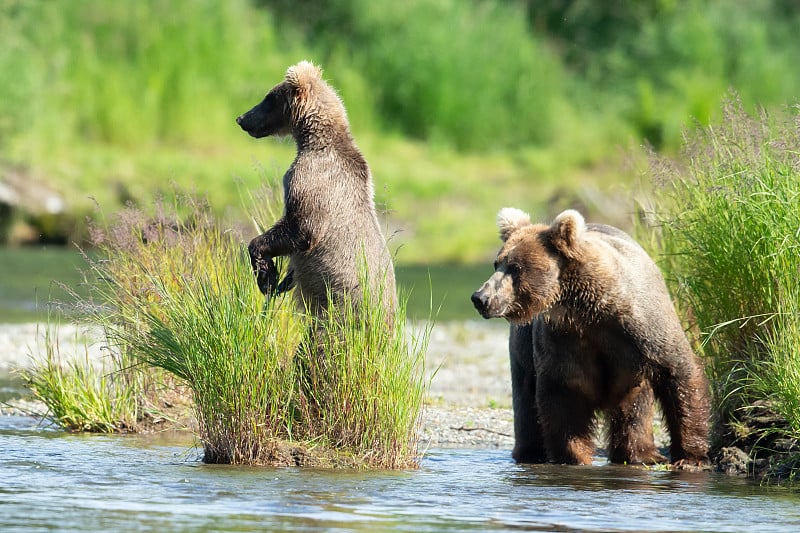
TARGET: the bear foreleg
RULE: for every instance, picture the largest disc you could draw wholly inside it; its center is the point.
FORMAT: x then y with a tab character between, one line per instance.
567	421
284	238
528	441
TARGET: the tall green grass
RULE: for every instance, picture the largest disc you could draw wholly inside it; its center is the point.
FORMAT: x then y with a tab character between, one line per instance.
362	381
79	392
730	229
125	74
214	333
269	384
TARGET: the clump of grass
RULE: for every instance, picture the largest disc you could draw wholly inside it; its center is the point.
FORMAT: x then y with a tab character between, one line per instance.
80	393
214	333
362	380
176	297
729	226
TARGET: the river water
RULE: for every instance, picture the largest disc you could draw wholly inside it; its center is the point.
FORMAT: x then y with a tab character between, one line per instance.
51	480
56	481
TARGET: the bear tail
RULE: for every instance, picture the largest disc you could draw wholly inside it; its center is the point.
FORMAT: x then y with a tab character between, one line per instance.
510	219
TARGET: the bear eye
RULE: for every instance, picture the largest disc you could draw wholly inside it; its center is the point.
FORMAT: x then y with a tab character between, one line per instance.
512	268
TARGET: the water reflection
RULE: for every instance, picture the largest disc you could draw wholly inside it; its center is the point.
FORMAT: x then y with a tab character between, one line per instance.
53	480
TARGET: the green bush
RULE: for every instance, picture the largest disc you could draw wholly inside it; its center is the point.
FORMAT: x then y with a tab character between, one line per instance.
466	74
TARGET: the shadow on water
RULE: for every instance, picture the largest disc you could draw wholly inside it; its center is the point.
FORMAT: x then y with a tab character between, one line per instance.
52	480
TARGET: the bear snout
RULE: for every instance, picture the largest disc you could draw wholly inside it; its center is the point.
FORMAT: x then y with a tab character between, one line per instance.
254	123
480	299
246	123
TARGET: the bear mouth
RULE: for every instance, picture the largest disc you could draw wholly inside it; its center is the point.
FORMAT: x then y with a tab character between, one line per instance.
256	134
489	310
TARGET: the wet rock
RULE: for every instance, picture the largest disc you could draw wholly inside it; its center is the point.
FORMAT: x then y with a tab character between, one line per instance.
733	460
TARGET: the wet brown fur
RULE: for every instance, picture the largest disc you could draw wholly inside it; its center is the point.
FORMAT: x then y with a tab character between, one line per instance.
592	330
329	227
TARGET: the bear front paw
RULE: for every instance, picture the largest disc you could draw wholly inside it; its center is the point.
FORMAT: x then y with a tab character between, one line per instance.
286	284
263	268
267	279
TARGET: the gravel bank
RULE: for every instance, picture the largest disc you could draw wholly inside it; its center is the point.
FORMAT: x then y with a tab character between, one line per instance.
470	391
18	342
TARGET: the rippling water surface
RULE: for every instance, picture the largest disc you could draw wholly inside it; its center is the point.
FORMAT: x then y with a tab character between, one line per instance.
50	480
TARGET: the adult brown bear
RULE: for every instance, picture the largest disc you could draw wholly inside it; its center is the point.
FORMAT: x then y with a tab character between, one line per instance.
592	329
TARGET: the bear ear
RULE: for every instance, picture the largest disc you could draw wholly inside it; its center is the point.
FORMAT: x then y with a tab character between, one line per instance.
302	76
509	220
565	232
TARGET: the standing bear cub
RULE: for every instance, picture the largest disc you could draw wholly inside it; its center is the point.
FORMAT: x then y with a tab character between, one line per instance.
592	329
329	228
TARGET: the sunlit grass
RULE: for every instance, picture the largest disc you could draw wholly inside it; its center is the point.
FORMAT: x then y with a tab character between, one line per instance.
81	393
175	296
729	223
363	380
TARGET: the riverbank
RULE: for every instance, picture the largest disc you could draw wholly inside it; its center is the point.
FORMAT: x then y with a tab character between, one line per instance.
469	401
470	389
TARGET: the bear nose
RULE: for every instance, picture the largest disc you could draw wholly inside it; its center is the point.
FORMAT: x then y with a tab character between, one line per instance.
239	119
479	300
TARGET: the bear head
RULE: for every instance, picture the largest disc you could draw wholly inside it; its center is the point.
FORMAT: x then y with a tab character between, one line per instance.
527	277
300	105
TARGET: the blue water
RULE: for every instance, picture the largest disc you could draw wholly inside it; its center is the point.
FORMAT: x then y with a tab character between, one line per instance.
55	481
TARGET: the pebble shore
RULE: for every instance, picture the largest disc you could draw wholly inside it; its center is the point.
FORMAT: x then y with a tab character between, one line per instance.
467	363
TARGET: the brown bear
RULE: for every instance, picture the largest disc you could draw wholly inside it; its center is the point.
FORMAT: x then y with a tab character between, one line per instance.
329	228
592	329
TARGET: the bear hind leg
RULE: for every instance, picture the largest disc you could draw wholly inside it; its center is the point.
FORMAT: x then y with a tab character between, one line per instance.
630	429
684	397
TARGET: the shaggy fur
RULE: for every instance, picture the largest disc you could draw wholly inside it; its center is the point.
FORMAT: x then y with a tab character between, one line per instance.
329	225
592	329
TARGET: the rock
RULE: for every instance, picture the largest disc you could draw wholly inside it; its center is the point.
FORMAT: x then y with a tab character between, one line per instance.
733	460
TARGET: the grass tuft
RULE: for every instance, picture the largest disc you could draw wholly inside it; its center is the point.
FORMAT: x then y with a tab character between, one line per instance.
730	213
80	392
177	300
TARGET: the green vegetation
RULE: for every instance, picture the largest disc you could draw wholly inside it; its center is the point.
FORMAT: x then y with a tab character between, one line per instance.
729	219
81	394
175	292
461	107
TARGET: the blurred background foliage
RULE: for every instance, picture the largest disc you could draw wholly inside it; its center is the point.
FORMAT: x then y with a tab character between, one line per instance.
460	106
